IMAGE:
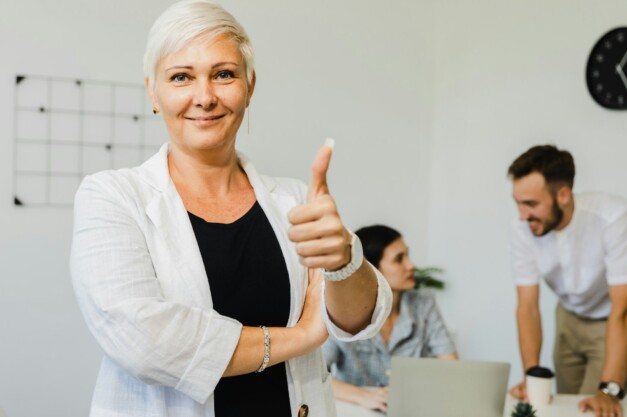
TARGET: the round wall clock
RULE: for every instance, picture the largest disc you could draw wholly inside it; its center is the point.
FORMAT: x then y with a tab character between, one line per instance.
606	73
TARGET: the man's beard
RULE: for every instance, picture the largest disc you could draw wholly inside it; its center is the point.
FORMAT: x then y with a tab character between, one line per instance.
557	214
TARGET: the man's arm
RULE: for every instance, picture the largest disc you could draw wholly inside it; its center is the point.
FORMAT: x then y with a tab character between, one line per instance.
615	368
529	332
529	325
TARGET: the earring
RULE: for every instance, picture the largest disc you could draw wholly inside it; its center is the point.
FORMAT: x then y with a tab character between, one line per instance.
155	110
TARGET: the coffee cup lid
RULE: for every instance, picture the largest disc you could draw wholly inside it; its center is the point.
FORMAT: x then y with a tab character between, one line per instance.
540	372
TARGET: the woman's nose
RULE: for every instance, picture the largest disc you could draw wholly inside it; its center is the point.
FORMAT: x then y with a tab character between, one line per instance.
204	95
410	265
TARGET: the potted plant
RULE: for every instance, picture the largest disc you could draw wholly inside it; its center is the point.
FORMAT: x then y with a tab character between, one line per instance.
425	277
523	410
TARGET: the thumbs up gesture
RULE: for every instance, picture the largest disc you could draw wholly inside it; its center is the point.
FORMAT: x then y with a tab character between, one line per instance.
321	239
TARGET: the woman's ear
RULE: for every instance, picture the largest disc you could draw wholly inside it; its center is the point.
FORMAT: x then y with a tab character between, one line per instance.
251	88
151	93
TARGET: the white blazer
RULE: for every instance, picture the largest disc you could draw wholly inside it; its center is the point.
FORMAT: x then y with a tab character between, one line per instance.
141	284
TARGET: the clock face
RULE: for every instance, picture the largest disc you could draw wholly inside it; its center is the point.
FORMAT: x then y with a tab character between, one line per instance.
606	73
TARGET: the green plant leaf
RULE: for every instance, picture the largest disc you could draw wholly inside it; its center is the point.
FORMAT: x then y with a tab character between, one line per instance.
424	277
523	410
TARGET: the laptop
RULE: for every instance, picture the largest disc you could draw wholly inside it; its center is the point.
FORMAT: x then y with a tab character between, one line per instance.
447	388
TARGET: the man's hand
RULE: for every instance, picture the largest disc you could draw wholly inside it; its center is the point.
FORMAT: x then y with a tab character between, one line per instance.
519	391
603	406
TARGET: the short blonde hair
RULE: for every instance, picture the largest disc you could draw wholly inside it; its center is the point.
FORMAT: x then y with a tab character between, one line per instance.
189	20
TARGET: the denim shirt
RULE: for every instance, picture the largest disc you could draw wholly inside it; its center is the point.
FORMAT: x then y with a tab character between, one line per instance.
419	332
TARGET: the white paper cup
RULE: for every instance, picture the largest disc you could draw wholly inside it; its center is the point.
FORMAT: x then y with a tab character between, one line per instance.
539	382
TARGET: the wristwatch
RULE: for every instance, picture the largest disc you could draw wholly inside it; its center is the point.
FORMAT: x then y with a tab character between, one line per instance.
612	389
357	258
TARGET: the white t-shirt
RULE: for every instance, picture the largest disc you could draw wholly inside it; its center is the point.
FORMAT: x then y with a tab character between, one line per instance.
581	260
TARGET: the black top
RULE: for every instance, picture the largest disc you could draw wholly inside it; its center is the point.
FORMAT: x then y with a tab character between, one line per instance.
249	282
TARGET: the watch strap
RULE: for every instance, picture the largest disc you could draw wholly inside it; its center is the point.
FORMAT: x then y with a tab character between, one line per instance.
605	386
357	258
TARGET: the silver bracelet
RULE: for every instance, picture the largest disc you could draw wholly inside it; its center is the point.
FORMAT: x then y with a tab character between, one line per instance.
266	349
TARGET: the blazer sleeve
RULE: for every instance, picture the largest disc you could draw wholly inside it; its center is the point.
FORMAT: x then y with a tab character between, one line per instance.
381	312
155	340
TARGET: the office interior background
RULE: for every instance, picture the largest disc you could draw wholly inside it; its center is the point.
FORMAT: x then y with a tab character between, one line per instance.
429	101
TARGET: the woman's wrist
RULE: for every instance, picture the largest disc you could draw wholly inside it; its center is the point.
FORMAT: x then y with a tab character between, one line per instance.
305	340
266	349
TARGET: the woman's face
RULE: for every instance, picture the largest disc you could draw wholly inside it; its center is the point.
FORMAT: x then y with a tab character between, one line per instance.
396	266
202	93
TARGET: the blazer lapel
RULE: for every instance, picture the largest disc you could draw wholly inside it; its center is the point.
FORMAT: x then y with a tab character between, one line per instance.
171	221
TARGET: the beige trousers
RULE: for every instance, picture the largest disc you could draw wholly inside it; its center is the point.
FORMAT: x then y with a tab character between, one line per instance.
579	352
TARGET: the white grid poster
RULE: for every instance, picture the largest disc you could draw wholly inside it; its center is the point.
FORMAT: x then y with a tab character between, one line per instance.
68	128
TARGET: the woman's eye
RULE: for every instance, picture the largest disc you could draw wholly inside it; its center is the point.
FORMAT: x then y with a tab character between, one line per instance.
179	78
225	75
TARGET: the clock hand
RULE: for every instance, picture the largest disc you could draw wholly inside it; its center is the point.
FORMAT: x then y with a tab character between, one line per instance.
623	61
621	74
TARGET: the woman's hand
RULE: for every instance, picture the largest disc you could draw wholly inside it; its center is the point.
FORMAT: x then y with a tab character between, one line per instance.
321	239
311	322
370	398
286	342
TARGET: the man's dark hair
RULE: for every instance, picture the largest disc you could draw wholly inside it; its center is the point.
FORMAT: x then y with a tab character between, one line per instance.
556	166
374	240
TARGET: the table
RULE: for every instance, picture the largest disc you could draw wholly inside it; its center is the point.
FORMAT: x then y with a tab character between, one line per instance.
562	406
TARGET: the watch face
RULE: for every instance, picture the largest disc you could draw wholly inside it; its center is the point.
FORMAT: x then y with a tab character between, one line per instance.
606	73
613	388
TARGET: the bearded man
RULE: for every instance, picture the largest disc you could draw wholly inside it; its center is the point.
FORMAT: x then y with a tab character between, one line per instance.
577	243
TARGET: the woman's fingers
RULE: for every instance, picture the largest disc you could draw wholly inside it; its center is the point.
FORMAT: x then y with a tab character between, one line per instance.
320	237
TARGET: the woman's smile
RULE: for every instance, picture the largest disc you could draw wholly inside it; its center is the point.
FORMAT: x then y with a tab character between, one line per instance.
205	121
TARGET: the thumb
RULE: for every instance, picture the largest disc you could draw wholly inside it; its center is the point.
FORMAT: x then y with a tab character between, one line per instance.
318	184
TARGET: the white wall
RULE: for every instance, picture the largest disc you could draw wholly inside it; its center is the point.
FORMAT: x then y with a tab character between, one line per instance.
361	74
428	101
509	75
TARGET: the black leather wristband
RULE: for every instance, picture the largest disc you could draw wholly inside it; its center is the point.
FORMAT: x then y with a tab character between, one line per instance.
612	389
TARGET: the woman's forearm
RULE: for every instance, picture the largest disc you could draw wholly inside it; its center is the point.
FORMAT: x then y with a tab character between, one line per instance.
285	343
350	303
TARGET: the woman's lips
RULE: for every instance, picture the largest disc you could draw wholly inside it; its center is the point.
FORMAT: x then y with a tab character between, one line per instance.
205	120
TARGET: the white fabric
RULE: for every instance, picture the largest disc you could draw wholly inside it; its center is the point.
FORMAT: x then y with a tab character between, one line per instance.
141	284
581	260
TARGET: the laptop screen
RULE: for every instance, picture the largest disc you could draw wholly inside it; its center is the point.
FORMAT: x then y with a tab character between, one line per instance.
447	388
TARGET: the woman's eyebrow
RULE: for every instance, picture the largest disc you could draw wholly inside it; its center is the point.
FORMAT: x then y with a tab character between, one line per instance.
187	67
190	67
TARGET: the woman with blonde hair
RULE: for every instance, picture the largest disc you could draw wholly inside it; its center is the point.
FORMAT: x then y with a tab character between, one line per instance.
210	287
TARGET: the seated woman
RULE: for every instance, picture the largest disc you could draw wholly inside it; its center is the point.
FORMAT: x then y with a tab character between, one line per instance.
414	327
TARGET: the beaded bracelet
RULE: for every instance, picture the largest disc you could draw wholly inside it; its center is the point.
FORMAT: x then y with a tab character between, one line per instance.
266	349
